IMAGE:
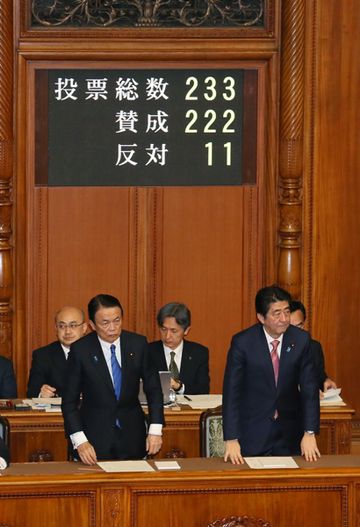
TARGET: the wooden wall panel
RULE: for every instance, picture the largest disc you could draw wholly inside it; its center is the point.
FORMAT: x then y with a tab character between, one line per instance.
259	501
78	248
333	191
211	262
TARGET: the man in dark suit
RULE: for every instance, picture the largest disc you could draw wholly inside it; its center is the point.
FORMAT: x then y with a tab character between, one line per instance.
188	361
8	388
297	318
270	395
4	455
105	368
47	373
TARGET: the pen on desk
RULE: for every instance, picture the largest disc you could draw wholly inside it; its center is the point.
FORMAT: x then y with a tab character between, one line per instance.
187	398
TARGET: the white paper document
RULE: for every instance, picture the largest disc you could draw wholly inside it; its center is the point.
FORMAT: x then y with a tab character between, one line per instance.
333	392
126	466
271	462
54	401
200	401
332	398
167	465
47	404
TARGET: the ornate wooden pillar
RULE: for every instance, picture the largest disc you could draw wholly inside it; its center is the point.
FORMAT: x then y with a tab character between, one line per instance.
291	145
6	167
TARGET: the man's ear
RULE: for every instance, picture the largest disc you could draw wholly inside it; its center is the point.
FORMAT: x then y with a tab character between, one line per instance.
92	325
187	330
85	326
260	318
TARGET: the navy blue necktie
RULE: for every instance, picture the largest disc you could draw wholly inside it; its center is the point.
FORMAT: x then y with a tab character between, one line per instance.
116	371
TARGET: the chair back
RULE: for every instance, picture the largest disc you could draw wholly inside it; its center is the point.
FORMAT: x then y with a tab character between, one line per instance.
5	430
211	433
240	521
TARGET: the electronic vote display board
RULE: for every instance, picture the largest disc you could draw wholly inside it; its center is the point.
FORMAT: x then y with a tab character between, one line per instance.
146	127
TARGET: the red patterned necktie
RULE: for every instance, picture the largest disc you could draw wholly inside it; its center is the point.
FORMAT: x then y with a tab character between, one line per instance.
275	358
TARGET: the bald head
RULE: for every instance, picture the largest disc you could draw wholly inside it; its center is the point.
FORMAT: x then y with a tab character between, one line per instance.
70	325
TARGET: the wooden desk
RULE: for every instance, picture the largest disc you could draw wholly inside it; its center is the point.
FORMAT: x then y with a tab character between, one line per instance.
32	432
323	493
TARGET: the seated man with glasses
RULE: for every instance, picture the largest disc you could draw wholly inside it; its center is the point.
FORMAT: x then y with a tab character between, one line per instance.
48	365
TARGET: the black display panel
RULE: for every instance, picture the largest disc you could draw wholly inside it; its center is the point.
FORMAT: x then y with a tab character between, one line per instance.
146	127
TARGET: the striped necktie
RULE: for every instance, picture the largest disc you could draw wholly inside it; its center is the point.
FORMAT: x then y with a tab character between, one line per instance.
173	367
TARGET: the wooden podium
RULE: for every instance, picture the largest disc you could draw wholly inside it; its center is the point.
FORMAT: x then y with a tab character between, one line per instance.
323	493
35	433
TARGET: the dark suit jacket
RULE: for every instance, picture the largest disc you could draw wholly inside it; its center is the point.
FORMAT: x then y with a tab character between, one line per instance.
319	362
48	367
8	388
4	451
87	374
194	368
250	395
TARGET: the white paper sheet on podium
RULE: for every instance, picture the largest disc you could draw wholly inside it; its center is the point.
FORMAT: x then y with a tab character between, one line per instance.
167	465
126	466
271	462
200	401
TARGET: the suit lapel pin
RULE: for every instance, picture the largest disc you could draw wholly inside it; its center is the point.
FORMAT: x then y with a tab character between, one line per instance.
96	359
289	348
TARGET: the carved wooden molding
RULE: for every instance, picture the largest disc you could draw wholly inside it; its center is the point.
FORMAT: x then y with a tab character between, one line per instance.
240	521
144	260
147	13
149	18
330	426
6	164
25	427
291	145
113	507
343	489
309	146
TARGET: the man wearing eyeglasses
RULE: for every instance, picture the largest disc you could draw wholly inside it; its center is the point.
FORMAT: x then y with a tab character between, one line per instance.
105	368
47	374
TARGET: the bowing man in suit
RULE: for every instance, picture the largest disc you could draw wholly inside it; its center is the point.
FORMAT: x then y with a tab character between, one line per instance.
297	318
270	393
47	373
105	367
8	387
188	361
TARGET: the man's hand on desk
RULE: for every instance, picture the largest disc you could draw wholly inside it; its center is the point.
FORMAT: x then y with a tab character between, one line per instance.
233	452
47	391
309	447
87	453
153	444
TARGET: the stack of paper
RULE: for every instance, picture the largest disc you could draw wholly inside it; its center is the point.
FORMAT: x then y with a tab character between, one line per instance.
332	398
200	401
47	404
